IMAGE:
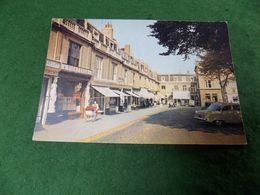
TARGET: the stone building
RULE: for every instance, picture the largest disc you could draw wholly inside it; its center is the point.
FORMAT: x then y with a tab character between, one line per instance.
210	89
85	64
181	89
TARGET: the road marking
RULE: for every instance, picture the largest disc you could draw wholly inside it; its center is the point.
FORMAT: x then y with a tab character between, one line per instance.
111	131
116	129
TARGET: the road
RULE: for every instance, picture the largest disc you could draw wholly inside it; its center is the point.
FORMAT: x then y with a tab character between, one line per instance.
175	126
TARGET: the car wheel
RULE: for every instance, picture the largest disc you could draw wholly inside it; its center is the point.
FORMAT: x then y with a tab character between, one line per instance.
219	122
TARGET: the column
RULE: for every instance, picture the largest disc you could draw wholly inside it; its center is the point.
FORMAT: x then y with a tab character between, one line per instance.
53	96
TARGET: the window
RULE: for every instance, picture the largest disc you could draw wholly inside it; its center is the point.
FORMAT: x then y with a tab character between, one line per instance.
101	38
184	87
214	97
99	67
163	86
192	89
176	88
125	75
142	68
179	78
208	84
74	52
163	79
207	97
114	71
187	78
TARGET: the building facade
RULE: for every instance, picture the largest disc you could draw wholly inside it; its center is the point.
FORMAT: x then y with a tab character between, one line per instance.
179	88
85	64
210	90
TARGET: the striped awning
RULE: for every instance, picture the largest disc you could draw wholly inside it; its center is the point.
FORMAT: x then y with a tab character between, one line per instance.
106	91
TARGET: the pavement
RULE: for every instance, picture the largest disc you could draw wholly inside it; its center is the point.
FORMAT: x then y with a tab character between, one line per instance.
157	125
81	130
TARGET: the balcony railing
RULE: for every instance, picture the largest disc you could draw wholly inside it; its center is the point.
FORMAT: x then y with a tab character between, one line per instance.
68	68
74	27
114	53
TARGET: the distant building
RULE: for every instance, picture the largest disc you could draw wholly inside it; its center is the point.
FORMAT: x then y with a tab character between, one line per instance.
179	88
210	89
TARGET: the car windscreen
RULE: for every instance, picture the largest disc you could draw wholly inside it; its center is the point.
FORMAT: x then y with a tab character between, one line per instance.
214	107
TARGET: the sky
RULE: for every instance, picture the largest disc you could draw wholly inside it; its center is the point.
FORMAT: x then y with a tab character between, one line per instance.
135	33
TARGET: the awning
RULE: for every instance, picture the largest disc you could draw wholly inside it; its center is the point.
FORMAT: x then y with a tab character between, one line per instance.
121	93
182	95
145	94
106	91
132	94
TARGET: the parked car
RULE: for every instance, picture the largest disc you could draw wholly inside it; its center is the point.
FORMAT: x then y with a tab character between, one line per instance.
220	113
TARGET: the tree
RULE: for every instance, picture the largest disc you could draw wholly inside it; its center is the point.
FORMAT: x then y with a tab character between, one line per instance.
208	40
212	66
185	38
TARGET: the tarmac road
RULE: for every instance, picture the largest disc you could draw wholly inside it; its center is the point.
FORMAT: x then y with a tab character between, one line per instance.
175	126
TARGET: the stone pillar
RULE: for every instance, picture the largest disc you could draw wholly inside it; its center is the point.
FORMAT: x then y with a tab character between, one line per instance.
87	95
53	95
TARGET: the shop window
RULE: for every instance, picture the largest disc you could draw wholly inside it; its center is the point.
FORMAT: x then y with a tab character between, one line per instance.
208	84
74	53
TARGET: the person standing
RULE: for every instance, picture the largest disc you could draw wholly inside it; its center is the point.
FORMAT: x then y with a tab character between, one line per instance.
95	110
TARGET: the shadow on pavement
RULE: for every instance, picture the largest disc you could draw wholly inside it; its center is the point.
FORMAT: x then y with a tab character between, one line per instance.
182	118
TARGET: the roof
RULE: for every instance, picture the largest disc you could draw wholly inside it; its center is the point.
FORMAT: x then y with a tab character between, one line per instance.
105	91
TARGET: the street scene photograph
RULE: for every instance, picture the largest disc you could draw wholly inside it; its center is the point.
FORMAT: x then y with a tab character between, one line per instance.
139	82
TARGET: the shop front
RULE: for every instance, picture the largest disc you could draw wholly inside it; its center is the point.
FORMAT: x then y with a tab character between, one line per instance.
146	98
181	98
107	100
63	93
124	101
134	100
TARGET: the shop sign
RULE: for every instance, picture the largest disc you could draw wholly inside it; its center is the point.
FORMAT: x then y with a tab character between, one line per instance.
53	64
75	69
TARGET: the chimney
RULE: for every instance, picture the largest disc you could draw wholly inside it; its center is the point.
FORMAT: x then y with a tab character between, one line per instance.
127	49
108	30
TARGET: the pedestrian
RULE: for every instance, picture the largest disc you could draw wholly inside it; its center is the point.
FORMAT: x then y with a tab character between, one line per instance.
95	109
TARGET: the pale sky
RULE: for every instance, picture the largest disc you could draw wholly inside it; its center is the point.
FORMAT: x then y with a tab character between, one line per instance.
135	33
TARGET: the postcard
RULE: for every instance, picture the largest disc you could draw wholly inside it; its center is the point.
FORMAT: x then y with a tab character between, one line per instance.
139	82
